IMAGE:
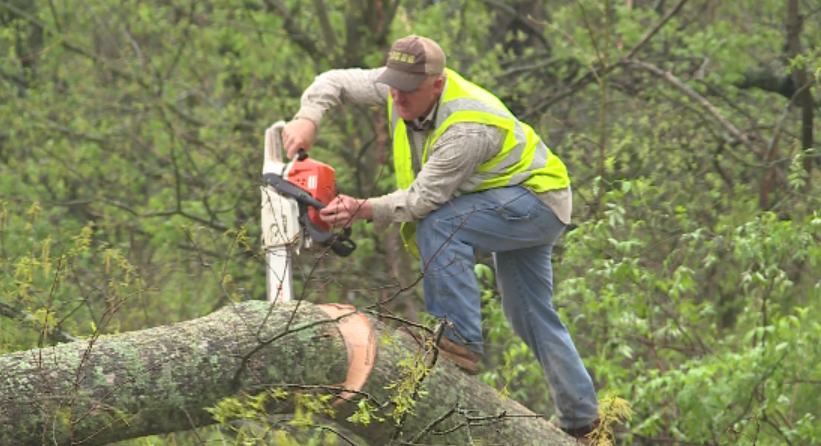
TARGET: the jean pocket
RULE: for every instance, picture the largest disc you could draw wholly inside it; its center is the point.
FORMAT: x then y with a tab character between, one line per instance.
520	207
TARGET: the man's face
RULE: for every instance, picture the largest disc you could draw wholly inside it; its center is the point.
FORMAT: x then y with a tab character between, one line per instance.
417	103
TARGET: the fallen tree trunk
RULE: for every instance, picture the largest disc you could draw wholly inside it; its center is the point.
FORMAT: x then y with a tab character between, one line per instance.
161	380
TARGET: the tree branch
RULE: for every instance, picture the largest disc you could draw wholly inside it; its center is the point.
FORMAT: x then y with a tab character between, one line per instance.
325	25
699	99
591	75
528	23
292	27
765	79
55	334
386	26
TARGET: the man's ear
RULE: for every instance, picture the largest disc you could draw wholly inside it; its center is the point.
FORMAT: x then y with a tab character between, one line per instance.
438	85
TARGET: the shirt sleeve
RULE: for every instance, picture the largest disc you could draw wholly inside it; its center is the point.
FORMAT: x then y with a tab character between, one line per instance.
337	87
453	160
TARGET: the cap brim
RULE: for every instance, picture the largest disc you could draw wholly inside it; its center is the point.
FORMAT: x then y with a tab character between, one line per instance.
401	80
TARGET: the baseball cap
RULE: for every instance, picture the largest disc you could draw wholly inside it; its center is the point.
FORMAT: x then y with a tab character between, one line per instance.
410	61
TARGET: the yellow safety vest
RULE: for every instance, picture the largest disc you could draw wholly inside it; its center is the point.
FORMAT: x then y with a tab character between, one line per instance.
524	159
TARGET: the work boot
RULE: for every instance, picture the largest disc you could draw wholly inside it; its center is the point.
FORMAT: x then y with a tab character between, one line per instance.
464	358
579	433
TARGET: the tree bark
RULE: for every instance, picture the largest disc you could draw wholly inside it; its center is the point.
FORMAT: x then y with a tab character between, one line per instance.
795	24
161	380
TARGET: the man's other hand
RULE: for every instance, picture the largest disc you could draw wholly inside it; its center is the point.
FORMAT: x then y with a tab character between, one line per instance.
298	134
343	211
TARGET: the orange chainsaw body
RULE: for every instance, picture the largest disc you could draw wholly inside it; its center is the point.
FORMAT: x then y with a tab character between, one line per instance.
318	179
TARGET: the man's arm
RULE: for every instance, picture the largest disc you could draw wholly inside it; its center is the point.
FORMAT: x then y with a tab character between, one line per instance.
331	89
337	87
453	160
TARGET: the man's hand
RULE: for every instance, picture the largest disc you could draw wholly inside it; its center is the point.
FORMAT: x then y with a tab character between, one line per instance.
298	134
343	211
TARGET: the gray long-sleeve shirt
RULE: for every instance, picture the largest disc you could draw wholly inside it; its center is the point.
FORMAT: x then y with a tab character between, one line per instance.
452	160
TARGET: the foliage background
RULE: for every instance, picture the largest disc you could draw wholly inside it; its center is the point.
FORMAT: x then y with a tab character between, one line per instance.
130	153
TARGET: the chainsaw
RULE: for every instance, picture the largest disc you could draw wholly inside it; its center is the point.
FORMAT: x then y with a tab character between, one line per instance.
292	196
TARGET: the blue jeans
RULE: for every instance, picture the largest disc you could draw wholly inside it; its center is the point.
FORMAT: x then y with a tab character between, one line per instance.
520	230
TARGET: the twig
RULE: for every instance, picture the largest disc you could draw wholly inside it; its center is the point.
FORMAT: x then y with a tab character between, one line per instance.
433	424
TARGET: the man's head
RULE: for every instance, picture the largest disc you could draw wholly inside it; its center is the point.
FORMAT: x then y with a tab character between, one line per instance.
415	74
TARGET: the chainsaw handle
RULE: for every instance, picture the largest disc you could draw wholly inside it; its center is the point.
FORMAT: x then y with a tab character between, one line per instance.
273	142
274	146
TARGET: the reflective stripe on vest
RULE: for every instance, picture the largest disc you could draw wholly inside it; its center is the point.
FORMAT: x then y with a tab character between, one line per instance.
524	159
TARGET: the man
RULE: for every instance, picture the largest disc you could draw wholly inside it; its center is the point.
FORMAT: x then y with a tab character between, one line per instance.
470	176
